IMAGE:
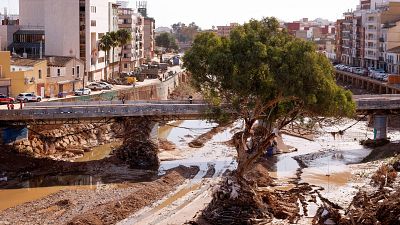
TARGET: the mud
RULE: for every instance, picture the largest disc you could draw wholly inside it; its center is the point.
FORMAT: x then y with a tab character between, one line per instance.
199	141
118	210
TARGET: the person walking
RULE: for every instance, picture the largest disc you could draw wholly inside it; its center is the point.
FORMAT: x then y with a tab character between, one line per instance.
190	99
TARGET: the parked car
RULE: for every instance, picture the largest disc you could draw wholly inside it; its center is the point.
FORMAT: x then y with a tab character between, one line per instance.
96	86
107	85
82	91
29	97
6	99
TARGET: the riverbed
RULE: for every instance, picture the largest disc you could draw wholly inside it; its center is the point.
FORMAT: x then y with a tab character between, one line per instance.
329	164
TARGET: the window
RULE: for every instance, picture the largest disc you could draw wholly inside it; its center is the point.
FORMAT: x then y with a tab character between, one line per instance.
73	71
77	71
48	72
40	74
93	23
93	9
126	66
58	72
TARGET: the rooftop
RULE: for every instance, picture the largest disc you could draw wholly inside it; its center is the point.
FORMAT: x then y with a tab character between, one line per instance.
59	61
394	50
25	62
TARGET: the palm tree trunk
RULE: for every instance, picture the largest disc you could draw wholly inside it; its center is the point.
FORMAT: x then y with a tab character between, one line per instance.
120	62
106	68
112	63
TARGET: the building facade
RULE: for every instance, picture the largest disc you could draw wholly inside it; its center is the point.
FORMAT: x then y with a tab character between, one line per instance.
374	30
149	37
72	28
225	31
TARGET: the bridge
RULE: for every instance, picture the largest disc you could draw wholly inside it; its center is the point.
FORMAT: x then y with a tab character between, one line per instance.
47	113
367	83
76	112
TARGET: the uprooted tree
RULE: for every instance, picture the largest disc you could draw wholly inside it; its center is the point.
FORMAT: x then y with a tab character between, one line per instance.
267	78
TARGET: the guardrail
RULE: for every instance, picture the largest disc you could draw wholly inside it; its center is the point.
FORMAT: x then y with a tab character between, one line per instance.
103	111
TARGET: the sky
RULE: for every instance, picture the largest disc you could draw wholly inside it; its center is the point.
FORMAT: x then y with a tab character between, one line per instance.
207	13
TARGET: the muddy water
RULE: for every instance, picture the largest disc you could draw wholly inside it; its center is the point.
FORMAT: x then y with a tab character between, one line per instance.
42	186
99	152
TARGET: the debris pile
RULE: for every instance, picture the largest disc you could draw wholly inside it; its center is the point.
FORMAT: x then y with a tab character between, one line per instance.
236	204
137	149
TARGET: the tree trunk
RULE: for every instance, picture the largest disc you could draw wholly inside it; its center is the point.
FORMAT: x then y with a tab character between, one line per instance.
112	63
106	68
120	62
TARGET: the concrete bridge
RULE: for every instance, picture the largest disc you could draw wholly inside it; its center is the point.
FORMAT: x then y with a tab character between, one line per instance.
367	83
47	113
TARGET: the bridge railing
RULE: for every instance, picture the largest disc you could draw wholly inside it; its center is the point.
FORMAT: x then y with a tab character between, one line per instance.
103	111
114	102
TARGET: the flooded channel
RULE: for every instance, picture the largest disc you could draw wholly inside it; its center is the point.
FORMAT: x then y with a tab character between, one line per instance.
327	160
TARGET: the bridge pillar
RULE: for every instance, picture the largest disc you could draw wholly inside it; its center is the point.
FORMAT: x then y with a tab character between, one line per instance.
380	89
380	127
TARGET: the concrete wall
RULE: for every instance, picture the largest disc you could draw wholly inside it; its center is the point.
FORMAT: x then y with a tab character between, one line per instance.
62	27
31	12
6	35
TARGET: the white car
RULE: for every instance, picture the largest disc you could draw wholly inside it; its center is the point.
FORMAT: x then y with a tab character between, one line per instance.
29	97
82	91
109	86
97	87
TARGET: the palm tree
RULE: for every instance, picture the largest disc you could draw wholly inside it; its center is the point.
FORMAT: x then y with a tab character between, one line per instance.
114	37
105	45
124	37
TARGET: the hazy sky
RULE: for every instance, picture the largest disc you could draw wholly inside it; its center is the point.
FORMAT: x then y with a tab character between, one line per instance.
220	12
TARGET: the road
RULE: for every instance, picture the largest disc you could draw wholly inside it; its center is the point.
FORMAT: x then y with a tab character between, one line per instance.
146	82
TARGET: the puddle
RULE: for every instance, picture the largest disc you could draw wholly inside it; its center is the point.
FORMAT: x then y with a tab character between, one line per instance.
15	197
99	152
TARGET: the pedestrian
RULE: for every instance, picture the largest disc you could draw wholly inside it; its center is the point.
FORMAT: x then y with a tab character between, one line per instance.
21	104
12	106
8	105
190	99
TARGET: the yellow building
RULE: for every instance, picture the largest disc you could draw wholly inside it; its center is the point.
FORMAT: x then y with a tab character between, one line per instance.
25	75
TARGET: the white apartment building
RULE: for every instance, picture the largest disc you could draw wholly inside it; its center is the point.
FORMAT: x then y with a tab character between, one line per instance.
73	28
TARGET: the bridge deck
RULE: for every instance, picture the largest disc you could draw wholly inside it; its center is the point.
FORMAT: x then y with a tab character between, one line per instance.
62	111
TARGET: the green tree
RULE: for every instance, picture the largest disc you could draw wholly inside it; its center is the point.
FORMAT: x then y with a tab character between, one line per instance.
268	78
123	37
105	44
166	40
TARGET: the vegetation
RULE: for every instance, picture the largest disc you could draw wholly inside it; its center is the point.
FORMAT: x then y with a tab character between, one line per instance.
185	33
123	37
105	44
166	40
268	78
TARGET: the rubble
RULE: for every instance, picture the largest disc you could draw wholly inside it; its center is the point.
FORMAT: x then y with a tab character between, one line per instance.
137	149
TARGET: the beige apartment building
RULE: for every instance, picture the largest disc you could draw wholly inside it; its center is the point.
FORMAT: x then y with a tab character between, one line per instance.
225	31
133	53
149	37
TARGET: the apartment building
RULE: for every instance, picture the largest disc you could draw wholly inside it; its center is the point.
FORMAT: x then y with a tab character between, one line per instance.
73	28
133	53
375	30
225	31
149	37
